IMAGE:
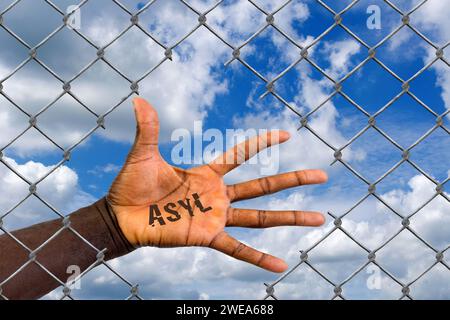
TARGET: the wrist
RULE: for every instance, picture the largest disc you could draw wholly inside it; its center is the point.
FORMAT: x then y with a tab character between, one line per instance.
121	241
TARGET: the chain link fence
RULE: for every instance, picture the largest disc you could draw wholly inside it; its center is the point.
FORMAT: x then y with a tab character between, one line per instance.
235	55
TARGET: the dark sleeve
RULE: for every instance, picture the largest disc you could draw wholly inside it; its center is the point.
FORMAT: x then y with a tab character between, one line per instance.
96	223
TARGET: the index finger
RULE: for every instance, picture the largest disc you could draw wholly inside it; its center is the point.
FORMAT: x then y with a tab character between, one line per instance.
243	151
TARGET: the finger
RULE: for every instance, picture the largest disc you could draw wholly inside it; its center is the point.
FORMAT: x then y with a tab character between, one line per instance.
250	218
245	150
272	184
232	247
147	129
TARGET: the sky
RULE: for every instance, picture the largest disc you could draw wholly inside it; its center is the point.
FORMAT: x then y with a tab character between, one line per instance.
198	86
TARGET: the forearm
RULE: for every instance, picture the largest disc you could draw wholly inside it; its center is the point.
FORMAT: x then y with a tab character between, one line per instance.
96	223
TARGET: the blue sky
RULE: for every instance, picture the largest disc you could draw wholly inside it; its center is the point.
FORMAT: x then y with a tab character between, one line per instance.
227	97
372	94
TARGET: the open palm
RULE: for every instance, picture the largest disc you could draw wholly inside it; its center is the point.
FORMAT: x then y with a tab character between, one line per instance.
157	204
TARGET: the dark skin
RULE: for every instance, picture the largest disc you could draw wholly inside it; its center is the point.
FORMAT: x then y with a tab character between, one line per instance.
147	179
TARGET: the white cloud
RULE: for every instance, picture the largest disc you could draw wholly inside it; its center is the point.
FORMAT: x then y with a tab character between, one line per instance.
304	150
432	221
109	168
183	91
433	16
443	78
201	272
432	20
340	53
60	189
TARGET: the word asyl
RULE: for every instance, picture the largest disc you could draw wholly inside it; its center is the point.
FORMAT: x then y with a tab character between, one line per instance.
155	214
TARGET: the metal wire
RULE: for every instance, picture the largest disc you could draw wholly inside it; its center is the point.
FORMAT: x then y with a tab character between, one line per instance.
235	50
405	152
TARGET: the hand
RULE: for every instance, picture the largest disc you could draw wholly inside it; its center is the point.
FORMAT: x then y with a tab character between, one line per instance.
157	204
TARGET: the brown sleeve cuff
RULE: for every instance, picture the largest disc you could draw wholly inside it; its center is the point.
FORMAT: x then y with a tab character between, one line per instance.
121	244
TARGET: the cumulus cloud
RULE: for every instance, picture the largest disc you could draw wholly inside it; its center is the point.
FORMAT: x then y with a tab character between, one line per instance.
304	150
432	20
108	168
183	91
61	189
199	272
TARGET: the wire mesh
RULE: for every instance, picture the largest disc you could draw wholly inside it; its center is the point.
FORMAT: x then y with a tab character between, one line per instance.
270	84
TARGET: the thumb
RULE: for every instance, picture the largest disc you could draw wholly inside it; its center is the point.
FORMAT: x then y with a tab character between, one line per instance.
147	128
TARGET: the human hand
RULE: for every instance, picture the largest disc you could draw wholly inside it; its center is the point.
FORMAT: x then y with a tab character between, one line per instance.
157	204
